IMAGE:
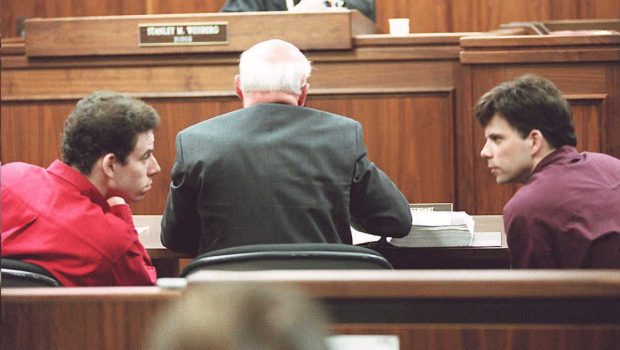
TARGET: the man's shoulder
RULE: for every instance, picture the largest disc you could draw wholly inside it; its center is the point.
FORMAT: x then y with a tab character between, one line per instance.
588	170
330	115
20	168
19	175
536	196
218	121
103	232
602	159
323	119
249	114
563	189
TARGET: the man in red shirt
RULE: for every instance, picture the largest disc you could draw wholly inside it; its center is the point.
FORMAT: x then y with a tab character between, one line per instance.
566	213
72	218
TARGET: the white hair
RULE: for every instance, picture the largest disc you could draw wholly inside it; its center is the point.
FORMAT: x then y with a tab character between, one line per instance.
259	74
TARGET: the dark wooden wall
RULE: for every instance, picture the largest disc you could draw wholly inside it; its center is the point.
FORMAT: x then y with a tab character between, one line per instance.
425	15
403	101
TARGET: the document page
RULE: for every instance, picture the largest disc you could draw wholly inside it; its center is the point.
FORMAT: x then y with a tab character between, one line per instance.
362	237
487	239
363	342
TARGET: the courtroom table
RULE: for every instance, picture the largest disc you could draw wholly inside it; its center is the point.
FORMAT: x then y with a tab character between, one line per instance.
451	257
167	262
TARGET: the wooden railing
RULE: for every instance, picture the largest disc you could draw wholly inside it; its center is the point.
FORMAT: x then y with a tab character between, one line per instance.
425	309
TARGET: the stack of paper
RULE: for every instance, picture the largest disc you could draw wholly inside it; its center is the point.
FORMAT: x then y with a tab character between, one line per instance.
438	229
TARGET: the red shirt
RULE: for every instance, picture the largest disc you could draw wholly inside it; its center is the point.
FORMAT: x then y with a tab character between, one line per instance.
568	214
57	219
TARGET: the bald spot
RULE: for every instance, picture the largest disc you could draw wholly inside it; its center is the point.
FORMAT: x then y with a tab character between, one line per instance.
276	51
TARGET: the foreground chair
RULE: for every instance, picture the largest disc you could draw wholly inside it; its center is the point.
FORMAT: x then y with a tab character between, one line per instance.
290	256
17	273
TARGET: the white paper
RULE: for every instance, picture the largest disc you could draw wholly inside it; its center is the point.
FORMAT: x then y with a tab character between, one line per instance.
363	342
142	229
487	239
362	237
440	218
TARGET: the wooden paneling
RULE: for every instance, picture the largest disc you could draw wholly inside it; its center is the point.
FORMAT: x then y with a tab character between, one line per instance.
185	6
491	337
12	10
90	36
74	82
425	309
408	82
597	9
406	68
100	318
31	132
418	154
425	15
612	123
588	120
538	285
485	15
79	8
421	168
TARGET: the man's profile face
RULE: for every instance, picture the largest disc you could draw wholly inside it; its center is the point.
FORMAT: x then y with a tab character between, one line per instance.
507	153
135	177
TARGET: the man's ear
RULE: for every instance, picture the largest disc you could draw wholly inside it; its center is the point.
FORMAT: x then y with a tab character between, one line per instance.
538	141
108	164
238	87
304	93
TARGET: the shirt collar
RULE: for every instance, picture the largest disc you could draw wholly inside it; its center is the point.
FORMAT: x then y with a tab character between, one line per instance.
80	181
562	153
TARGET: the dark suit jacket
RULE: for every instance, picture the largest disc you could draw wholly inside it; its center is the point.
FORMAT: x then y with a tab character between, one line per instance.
275	173
367	7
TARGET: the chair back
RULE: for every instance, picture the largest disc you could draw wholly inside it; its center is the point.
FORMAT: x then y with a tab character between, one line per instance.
17	273
289	256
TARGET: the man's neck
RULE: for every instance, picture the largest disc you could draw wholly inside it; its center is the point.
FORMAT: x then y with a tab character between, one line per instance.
542	154
95	177
252	98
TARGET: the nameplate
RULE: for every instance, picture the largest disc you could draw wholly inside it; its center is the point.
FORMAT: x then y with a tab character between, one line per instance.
179	34
431	206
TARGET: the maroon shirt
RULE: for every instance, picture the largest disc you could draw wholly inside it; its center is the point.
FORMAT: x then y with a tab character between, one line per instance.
57	219
568	214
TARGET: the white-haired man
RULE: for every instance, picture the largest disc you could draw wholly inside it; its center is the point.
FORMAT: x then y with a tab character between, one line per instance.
275	171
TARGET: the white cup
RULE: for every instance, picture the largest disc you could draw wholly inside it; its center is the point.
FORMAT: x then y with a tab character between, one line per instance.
399	26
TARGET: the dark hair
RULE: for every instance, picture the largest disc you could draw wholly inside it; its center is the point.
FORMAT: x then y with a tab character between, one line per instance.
104	122
530	102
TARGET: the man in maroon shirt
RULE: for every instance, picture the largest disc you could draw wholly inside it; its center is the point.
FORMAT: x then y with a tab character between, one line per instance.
72	218
567	215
